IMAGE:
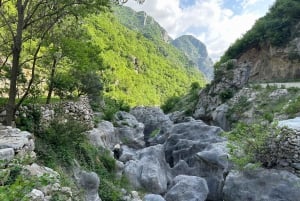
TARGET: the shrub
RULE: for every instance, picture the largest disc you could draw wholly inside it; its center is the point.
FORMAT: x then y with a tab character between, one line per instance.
170	104
247	143
62	140
29	120
112	106
293	107
226	95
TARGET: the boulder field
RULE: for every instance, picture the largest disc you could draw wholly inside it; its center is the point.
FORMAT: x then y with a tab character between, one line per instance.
183	159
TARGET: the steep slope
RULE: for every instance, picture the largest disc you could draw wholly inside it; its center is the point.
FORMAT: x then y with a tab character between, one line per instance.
272	46
138	71
269	52
141	22
189	46
196	51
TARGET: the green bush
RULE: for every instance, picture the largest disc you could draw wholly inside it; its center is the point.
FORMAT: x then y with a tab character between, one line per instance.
247	143
170	104
293	107
62	140
112	106
29	120
226	95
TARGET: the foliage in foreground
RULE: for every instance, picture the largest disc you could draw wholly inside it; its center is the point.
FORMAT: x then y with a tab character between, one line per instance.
63	142
184	103
248	143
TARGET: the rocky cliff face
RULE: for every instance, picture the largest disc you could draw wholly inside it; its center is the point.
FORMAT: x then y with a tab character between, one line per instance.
141	22
196	51
269	63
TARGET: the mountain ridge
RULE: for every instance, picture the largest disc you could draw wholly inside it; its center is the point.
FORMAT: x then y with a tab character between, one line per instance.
196	51
189	46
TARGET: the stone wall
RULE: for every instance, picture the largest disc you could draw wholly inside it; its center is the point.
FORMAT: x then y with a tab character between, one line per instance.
77	110
286	150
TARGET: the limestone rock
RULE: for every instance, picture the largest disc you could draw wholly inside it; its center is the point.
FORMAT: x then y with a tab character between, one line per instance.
153	197
37	170
278	93
127	154
188	188
291	123
90	182
154	120
149	170
14	138
230	82
36	195
103	135
196	149
7	154
261	185
129	130
220	118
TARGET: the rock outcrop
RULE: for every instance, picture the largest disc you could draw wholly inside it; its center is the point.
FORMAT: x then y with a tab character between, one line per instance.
104	135
261	185
149	170
129	130
221	89
189	188
89	182
196	149
17	153
269	63
155	121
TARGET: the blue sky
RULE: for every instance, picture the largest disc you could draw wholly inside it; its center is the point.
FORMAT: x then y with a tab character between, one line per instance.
217	23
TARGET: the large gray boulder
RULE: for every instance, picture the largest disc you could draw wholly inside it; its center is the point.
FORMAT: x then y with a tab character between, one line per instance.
291	123
262	185
103	135
129	130
196	149
153	197
219	116
155	121
6	155
187	188
149	170
89	182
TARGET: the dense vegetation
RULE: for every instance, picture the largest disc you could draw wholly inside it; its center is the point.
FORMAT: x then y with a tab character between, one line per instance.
141	22
97	53
276	28
136	70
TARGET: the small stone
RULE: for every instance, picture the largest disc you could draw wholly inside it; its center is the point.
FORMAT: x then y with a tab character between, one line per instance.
7	154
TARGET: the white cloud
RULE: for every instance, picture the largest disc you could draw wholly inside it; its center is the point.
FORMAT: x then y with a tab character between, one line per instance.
221	25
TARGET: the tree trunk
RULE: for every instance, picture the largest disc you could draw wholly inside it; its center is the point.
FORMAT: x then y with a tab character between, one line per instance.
51	81
17	48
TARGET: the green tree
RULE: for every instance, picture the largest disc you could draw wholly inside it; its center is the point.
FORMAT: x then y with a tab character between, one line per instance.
31	20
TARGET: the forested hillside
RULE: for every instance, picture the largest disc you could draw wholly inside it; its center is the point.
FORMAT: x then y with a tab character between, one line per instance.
97	53
137	70
188	46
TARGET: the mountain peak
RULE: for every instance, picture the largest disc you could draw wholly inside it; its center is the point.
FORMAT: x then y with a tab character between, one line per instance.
196	51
